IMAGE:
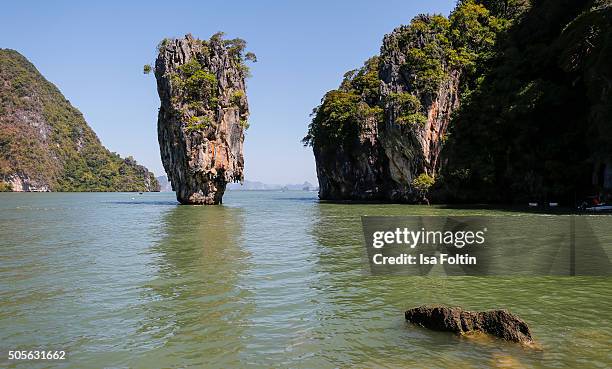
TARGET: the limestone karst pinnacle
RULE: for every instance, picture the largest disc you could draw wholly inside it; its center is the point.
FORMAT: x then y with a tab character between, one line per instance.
203	115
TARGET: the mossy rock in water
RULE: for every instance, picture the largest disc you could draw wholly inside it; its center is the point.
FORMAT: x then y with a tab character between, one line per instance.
498	323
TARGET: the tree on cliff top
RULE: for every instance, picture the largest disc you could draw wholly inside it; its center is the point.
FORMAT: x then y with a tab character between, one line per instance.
337	119
461	42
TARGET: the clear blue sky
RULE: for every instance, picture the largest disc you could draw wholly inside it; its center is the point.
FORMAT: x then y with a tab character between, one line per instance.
94	53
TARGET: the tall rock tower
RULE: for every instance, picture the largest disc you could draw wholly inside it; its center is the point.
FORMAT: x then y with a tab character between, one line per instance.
203	114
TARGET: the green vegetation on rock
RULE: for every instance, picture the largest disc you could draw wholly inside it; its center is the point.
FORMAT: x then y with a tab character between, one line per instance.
196	83
338	119
237	97
244	124
425	62
409	108
195	124
536	124
46	143
203	114
433	46
503	101
514	97
195	87
422	184
5	187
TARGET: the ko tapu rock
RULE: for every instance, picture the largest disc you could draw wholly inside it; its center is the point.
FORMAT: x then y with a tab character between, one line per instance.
203	114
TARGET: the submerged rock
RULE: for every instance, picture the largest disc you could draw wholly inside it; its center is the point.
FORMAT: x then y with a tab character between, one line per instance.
203	115
498	323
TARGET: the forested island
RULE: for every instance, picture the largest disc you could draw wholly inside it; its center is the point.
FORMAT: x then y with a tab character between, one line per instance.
503	101
45	143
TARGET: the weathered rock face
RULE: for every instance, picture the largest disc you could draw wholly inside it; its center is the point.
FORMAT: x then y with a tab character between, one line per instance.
498	323
380	135
203	114
354	172
414	148
401	141
19	182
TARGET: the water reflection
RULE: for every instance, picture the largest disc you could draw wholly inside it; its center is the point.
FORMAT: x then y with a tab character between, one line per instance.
197	305
361	323
363	316
275	281
284	280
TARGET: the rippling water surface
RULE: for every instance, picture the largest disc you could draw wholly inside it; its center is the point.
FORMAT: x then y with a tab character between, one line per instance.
270	279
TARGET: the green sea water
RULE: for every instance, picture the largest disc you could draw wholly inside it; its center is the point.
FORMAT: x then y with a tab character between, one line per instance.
269	279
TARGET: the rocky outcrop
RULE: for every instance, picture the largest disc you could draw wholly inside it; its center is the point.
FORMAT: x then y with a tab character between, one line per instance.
203	115
498	323
18	182
46	144
412	136
355	171
380	135
400	134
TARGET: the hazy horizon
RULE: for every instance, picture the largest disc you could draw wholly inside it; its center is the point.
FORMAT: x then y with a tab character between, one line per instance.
303	50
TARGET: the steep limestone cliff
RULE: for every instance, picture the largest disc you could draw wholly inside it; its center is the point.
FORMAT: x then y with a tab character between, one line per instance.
418	102
45	143
380	135
394	122
344	137
203	115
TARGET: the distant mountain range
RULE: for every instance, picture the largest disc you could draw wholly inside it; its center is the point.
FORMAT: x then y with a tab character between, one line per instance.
260	186
249	186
